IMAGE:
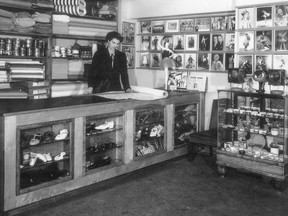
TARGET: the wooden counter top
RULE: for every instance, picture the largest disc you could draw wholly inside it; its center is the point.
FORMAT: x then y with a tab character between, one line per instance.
9	106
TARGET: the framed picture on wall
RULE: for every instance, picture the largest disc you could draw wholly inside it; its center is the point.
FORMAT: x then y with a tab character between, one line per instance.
165	40
281	40
246	18
229	60
217	41
231	23
145	60
190	60
130	55
263	62
246	62
128	33
204	42
155	40
263	40
217	62
230	42
179	60
187	25
280	62
145	43
280	17
191	42
158	26
219	23
172	26
178	42
246	41
264	17
203	61
155	60
145	27
202	24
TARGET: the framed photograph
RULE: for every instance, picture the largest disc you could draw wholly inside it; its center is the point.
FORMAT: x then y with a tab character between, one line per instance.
230	42
155	39
145	60
187	25
202	24
165	40
263	62
145	27
145	43
246	18
217	62
246	41
130	55
179	60
246	62
219	23
280	62
183	80
231	23
128	33
172	26
264	17
281	40
178	42
203	61
217	41
191	42
263	40
158	26
190	61
155	60
229	61
204	42
280	17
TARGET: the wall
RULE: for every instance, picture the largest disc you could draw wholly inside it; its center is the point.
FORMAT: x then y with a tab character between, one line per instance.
133	9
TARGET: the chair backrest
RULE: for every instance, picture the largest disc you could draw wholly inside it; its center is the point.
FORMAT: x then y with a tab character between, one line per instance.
214	112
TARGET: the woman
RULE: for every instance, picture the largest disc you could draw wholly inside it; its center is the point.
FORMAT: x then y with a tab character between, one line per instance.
109	66
217	64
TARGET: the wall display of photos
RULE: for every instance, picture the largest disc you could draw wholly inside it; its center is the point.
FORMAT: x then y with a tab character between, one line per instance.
206	42
128	44
262	37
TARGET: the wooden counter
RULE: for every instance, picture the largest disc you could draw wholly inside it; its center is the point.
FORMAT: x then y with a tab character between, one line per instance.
21	115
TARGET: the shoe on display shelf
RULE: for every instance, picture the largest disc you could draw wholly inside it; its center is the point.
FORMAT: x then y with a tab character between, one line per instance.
63	134
105	126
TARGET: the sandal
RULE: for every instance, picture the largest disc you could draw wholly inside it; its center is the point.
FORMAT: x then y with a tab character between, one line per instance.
60	156
62	134
35	140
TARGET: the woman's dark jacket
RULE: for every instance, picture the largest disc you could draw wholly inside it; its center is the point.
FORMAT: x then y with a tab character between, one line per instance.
103	77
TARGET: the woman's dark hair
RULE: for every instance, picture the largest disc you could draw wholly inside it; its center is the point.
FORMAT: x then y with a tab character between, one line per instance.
111	35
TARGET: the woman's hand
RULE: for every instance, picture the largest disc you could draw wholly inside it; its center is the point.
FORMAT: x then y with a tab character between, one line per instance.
129	90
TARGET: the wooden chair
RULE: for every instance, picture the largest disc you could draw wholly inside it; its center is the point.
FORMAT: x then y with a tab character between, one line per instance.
207	138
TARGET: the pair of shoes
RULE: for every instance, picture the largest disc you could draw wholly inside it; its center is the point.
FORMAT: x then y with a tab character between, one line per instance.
62	134
35	140
60	156
99	162
43	157
157	131
48	136
106	125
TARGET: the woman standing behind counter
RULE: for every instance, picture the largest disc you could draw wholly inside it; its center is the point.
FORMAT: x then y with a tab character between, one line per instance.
109	65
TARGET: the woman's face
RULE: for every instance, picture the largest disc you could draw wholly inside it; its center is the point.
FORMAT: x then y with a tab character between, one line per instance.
113	44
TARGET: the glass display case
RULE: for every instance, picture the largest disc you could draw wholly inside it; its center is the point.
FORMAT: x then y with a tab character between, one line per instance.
252	133
185	123
150	131
45	155
104	142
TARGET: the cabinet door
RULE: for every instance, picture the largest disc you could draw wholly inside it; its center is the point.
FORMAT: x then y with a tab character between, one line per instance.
45	155
150	131
185	122
104	142
252	125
